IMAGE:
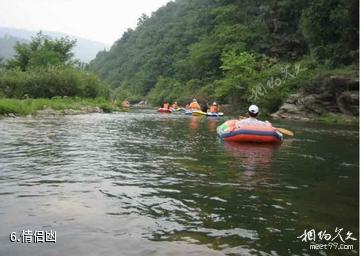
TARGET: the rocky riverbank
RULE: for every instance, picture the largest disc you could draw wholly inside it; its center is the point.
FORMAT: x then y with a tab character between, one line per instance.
82	110
335	96
52	112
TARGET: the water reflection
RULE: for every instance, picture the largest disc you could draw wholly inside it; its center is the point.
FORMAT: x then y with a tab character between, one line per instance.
252	155
194	122
213	122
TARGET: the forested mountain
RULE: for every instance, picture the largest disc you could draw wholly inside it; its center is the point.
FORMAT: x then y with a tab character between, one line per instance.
228	49
85	49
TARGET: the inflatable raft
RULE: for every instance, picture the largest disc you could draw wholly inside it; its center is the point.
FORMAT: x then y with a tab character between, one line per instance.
188	112
211	114
230	131
201	113
180	109
164	110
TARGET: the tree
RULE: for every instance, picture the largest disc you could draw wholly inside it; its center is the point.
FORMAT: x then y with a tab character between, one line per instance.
331	30
42	51
239	73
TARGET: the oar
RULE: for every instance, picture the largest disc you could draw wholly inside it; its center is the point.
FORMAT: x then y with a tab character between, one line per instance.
284	131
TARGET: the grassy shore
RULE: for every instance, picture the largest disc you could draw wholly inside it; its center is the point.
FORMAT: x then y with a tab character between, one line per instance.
32	106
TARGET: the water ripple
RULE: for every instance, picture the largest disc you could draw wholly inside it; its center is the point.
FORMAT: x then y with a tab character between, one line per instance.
146	183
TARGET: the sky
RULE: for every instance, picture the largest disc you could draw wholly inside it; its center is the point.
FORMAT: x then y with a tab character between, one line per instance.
99	20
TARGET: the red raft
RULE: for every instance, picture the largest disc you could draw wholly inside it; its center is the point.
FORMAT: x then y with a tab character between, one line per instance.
164	110
228	131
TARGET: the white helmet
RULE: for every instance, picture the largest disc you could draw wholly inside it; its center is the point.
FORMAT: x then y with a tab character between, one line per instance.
214	103
194	100
254	109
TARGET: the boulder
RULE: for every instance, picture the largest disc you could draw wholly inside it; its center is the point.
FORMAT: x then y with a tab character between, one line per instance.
348	102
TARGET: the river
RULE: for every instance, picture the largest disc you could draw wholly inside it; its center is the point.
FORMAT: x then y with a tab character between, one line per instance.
143	183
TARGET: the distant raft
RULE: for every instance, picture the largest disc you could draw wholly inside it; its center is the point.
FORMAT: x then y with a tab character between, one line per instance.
180	109
164	110
214	114
125	104
229	131
188	112
201	113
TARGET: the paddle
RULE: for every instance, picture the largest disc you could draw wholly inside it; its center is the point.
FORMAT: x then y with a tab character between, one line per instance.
284	131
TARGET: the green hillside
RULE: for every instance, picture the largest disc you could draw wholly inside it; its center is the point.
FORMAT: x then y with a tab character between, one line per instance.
231	50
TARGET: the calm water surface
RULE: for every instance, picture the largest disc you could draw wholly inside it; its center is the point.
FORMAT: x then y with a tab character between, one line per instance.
143	183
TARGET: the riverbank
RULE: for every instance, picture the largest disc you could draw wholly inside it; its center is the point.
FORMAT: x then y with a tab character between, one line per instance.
56	105
330	98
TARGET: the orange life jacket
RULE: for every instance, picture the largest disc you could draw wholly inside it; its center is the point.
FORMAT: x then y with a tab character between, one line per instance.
195	105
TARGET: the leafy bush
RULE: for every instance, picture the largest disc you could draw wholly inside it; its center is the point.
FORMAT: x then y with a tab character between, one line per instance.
44	68
51	81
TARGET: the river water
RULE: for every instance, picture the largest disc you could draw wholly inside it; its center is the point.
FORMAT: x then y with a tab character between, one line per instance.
143	183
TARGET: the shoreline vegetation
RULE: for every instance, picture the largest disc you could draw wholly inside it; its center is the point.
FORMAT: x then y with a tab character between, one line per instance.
44	78
75	105
56	105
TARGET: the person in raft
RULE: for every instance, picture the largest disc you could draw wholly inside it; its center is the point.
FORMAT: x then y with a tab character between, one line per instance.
175	105
204	107
194	105
214	108
166	105
125	104
252	119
